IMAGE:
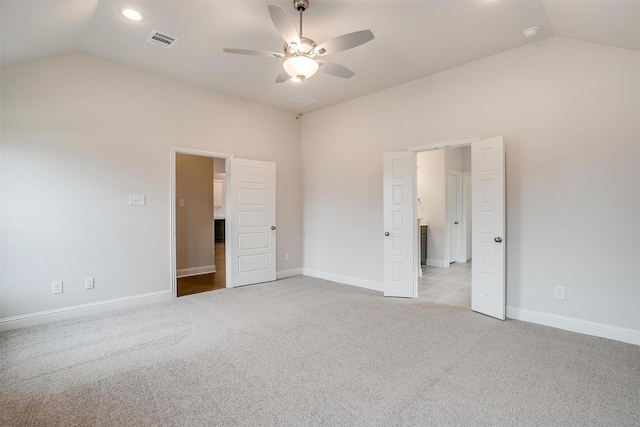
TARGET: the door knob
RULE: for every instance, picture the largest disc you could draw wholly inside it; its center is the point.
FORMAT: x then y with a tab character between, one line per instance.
273	227
498	239
386	233
456	222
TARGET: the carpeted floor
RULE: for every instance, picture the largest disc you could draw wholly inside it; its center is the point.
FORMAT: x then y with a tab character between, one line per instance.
304	351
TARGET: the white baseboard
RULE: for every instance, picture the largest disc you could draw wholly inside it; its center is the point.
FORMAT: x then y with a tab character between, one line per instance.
283	274
602	330
436	263
194	271
345	280
48	316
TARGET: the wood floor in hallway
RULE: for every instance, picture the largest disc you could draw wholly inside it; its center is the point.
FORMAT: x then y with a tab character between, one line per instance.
206	282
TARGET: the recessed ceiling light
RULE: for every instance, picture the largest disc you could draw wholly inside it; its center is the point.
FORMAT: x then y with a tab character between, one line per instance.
132	14
531	32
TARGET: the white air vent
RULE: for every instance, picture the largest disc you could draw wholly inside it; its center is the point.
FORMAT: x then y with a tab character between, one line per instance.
161	39
303	100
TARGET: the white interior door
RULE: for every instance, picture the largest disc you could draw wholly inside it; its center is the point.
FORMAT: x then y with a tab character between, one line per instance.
488	217
400	235
252	222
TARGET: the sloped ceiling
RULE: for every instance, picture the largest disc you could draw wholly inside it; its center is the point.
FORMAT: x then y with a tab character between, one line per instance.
412	38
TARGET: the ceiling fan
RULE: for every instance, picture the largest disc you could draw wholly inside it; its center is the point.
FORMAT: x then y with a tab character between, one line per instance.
301	53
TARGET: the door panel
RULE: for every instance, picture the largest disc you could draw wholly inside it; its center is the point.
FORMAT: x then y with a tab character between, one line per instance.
488	218
253	214
400	226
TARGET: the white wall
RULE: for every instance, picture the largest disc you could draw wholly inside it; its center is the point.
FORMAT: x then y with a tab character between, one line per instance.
79	134
569	112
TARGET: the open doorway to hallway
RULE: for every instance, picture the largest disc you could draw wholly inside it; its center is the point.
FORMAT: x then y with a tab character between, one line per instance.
444	216
196	284
200	224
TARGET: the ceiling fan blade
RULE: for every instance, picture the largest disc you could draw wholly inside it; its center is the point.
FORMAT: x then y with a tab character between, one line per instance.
336	69
344	42
254	52
282	77
284	25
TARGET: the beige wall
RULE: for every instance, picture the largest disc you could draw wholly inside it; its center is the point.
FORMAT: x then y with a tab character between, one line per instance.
79	134
430	188
194	220
569	113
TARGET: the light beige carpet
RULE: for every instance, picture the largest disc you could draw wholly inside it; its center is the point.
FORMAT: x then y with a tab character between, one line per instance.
304	351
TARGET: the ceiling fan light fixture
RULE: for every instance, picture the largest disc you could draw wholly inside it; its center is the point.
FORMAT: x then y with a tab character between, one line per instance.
297	79
300	67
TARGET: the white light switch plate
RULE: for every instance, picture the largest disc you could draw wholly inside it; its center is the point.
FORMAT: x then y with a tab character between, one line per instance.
137	199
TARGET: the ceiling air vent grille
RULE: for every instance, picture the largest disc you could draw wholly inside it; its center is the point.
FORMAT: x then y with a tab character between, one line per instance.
161	39
302	100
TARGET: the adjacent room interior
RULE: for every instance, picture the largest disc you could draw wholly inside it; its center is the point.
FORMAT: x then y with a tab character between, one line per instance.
444	221
200	224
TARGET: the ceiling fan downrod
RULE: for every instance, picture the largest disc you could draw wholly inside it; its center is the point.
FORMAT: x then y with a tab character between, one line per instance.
301	6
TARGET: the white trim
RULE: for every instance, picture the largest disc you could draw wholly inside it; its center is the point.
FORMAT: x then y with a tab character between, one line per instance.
436	263
48	316
345	280
195	271
580	326
283	274
444	144
449	222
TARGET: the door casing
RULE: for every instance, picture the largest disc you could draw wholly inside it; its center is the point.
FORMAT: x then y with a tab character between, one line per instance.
451	232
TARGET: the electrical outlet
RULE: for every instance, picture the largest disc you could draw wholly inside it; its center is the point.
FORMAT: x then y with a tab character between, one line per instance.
56	287
137	199
286	256
559	292
181	203
89	283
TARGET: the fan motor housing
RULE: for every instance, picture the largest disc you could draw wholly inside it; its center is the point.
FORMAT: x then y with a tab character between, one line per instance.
307	47
301	5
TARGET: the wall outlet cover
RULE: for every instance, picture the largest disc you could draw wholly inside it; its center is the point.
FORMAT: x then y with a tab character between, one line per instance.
56	287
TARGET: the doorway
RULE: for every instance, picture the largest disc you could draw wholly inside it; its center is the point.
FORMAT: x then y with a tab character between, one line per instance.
445	272
198	217
401	266
200	224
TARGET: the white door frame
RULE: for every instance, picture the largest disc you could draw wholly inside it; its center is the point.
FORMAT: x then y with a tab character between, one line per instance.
172	238
449	229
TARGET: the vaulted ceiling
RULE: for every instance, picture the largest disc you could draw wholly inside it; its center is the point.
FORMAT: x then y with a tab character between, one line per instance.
412	38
